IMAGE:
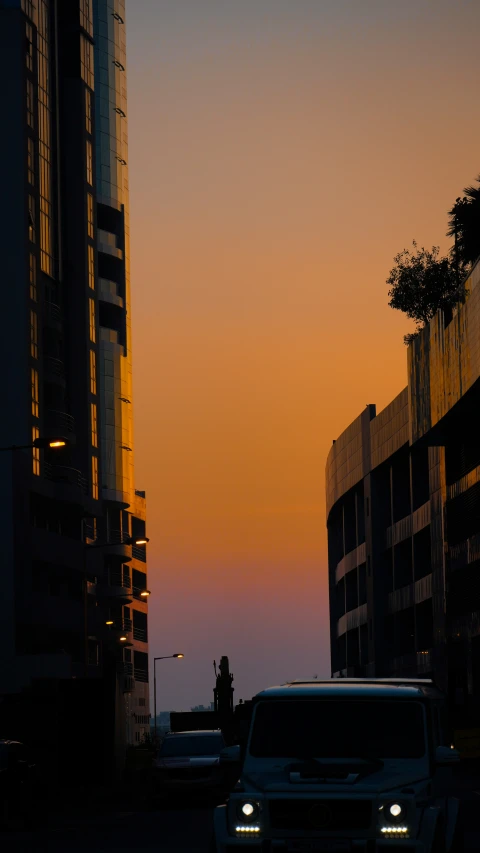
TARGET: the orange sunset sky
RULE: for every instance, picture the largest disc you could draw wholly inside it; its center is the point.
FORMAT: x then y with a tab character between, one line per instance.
281	153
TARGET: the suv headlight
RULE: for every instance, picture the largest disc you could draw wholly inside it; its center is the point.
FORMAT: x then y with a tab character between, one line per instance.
248	811
395	812
245	818
393	817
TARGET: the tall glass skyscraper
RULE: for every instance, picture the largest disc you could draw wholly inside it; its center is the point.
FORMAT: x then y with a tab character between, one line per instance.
73	637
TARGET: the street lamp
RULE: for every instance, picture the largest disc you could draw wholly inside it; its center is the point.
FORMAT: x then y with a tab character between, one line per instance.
129	540
39	444
165	657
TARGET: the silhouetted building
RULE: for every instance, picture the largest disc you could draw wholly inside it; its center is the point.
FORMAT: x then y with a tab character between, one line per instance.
403	518
66	372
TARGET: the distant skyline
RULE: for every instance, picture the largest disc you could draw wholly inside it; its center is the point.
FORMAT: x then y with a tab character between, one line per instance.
281	153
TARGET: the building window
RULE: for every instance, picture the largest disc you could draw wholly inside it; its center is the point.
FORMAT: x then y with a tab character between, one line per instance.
33	278
28	7
30	160
91	267
31	218
91	305
90	214
44	138
30	104
93	411
36	452
95	478
93	372
86	61
29	45
89	163
33	334
86	16
88	110
140	663
35	401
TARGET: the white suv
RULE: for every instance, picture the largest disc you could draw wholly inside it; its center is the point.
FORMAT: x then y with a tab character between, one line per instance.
343	766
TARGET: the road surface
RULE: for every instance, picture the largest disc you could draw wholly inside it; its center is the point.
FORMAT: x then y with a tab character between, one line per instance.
176	830
165	831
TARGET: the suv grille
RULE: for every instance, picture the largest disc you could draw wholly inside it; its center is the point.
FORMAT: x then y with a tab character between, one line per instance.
320	815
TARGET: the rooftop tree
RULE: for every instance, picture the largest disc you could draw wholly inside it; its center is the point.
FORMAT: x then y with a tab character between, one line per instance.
464	226
422	282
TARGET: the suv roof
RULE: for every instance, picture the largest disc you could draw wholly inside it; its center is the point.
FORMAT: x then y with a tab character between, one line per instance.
393	688
194	732
398	681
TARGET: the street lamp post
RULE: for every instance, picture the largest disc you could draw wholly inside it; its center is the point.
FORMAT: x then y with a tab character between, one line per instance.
165	657
130	540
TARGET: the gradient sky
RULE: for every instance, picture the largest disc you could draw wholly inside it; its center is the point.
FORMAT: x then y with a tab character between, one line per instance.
281	153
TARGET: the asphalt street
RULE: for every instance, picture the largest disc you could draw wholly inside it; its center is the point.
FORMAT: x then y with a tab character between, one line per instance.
178	830
163	831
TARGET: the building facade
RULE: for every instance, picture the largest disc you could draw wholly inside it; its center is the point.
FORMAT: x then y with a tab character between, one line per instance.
403	520
74	633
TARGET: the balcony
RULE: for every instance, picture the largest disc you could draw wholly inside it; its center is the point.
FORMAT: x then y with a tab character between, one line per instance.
125	674
117	587
109	293
52	315
60	424
54	370
139	552
107	243
116	545
140	634
68	476
141	674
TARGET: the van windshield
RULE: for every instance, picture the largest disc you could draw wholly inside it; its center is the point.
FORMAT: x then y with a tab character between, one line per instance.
343	728
191	745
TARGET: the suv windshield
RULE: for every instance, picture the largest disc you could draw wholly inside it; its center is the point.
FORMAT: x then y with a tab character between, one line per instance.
191	745
338	729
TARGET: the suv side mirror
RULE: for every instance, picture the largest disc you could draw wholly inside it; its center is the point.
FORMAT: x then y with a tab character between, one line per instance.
230	755
446	755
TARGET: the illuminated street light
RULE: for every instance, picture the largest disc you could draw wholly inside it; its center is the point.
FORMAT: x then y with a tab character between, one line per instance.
53	443
39	444
129	540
